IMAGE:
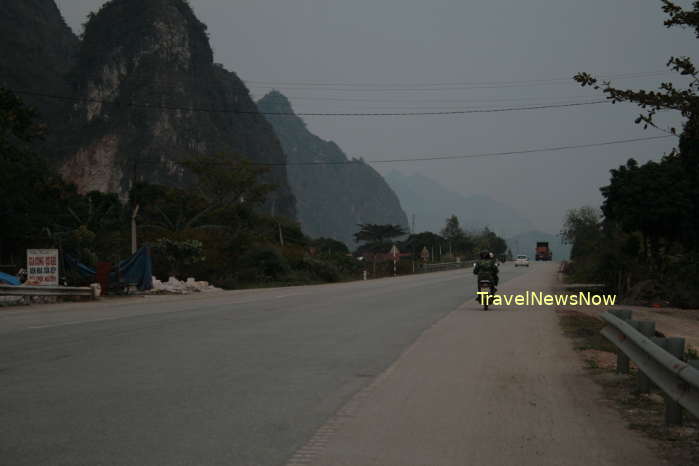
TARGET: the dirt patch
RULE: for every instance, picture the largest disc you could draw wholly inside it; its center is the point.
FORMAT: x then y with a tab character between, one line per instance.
671	322
645	413
584	330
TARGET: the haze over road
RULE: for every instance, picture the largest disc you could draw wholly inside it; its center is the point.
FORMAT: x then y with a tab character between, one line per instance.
247	378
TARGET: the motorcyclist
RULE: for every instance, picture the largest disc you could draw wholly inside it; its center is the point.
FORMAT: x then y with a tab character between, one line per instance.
487	269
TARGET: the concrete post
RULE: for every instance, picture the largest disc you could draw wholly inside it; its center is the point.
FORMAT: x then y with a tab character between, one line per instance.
673	410
646	328
622	361
134	241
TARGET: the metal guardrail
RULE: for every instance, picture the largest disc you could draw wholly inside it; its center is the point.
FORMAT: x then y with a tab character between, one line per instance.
28	291
659	362
444	266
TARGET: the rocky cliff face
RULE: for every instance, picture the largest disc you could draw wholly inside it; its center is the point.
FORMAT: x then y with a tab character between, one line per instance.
152	59
38	50
331	199
149	95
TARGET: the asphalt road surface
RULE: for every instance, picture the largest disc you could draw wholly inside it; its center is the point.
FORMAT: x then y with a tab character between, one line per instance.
264	377
241	378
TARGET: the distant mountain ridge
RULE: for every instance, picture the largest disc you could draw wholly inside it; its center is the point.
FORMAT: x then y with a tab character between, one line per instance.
332	197
432	204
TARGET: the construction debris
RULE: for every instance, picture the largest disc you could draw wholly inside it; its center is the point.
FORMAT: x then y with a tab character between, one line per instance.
175	286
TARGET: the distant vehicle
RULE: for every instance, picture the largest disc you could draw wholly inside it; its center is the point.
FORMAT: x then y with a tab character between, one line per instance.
543	253
522	260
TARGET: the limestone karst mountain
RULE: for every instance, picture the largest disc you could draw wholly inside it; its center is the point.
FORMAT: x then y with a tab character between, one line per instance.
143	93
332	196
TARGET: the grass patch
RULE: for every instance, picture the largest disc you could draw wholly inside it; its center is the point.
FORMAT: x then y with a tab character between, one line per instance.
592	363
585	331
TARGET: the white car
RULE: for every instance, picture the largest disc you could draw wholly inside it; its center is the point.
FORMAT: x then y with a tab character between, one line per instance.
522	260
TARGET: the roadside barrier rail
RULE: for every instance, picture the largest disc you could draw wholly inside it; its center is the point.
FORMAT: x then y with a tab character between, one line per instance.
29	291
659	361
444	266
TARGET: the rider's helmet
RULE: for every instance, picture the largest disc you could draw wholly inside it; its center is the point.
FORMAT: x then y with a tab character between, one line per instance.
485	255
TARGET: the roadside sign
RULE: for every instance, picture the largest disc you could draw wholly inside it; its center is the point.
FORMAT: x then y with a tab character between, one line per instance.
395	253
425	254
42	267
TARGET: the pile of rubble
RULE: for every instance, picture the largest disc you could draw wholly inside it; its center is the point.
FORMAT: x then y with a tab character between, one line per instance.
11	300
176	286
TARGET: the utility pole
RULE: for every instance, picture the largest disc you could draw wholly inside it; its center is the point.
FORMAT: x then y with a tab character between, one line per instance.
412	228
134	241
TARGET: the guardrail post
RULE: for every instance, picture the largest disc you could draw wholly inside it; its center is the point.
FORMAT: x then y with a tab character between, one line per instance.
623	314
673	410
646	328
622	361
662	359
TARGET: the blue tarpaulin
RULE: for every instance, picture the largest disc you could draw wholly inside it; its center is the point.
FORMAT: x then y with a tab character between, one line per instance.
9	279
136	269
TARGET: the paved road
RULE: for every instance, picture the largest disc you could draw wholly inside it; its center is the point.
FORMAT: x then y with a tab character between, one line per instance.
238	378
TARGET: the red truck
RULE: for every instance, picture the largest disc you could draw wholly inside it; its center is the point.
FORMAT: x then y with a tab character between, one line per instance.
543	253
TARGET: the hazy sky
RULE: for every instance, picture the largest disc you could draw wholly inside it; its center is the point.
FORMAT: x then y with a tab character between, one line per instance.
356	52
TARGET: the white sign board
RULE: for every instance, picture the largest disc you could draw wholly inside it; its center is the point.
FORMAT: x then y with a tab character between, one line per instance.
42	267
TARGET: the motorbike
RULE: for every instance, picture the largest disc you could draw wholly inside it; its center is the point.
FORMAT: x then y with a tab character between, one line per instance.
485	286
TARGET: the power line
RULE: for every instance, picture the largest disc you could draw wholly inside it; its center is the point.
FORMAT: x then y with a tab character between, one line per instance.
308	114
454	157
397	89
445	112
171	91
406	86
550	99
568	98
526	151
447	85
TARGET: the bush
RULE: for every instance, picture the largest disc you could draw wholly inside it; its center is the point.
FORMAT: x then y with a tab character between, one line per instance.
177	256
227	283
349	265
682	282
263	264
324	271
